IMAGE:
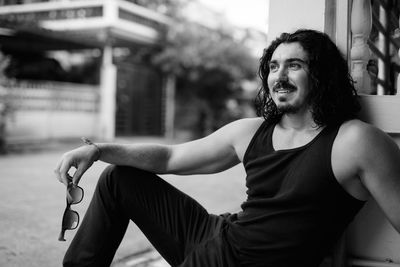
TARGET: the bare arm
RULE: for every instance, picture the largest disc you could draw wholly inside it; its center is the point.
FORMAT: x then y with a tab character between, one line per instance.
378	162
216	152
147	156
207	155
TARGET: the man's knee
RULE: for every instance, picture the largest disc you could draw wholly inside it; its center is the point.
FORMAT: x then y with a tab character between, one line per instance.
108	176
122	177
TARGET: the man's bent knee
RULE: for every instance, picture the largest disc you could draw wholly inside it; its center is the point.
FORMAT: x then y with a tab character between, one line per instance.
122	176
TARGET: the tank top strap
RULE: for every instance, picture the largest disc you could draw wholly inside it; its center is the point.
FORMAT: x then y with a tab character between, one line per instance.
261	141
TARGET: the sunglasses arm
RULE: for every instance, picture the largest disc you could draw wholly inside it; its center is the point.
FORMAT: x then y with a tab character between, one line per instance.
61	236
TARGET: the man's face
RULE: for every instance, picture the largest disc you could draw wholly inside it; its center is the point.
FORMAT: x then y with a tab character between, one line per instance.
288	78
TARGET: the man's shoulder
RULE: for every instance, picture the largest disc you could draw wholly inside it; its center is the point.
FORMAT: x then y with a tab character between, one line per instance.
356	129
241	132
360	136
246	124
239	129
355	147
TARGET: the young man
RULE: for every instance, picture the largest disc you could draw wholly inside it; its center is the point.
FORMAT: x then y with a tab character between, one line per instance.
309	166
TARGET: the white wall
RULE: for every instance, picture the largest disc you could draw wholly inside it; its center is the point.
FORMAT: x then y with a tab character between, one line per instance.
41	125
372	237
50	110
289	15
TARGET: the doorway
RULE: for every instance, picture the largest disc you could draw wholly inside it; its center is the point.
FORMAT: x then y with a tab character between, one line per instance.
139	101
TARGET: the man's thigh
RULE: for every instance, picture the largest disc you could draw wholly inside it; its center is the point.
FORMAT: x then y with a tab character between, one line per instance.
173	222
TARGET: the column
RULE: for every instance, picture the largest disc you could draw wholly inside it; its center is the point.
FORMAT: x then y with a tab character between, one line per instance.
361	25
383	47
397	37
170	106
108	88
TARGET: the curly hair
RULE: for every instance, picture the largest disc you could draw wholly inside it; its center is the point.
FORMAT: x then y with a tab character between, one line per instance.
333	98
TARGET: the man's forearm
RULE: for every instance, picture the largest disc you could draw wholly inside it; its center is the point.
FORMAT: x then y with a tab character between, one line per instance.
149	157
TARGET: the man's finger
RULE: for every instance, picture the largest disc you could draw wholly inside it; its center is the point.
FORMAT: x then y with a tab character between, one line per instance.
64	168
57	171
58	176
78	173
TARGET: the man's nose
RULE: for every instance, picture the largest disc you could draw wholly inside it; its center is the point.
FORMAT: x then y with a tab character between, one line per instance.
282	74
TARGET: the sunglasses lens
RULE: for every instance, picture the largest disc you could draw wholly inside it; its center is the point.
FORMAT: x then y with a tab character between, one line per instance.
74	194
70	220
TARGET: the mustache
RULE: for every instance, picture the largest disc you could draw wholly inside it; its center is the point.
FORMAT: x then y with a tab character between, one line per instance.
283	84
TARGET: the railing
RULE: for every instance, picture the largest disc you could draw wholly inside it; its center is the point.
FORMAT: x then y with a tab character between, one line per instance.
29	95
375	61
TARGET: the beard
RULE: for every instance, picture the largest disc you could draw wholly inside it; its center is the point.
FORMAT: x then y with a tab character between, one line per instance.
287	109
284	107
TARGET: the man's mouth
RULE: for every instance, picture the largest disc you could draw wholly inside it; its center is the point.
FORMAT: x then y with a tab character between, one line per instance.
284	88
282	91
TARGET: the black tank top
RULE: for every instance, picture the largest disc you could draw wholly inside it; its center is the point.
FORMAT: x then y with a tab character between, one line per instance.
295	208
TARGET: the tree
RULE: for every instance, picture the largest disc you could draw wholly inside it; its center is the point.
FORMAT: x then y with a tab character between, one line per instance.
209	65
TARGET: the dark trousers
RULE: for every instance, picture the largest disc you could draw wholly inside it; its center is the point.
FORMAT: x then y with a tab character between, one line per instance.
183	232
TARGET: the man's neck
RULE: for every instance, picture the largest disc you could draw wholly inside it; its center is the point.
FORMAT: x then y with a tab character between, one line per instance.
298	122
294	131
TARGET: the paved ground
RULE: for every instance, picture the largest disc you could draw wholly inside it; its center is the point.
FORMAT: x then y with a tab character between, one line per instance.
32	202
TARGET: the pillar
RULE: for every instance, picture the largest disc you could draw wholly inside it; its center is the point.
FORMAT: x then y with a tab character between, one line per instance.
108	88
361	25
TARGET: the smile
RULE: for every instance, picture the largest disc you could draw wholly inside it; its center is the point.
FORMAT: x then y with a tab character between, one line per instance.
283	91
282	88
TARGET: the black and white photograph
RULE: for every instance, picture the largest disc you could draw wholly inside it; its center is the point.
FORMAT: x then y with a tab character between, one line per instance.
200	133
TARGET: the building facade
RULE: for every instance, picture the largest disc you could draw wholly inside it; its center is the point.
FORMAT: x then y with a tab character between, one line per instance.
124	94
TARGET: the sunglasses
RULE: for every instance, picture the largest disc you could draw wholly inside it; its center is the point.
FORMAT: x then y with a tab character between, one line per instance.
70	220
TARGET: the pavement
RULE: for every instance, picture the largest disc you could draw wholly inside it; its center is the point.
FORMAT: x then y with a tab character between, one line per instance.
32	202
147	258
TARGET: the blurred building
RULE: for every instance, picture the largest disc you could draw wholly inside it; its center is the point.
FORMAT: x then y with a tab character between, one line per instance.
82	68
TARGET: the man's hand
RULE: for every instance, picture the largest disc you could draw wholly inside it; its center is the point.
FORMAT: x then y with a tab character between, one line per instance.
81	159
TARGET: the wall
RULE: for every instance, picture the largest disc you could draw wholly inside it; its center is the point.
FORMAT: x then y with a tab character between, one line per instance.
48	110
31	126
372	237
289	15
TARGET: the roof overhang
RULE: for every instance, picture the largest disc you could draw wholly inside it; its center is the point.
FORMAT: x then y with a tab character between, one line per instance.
82	24
21	38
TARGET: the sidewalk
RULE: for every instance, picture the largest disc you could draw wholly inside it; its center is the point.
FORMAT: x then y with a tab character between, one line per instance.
32	202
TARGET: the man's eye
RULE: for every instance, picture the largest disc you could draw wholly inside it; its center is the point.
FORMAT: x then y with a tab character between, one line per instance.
294	66
273	67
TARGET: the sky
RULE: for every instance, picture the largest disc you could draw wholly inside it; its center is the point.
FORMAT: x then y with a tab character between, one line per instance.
247	13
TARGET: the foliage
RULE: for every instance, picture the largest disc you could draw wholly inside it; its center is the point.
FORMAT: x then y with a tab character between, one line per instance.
38	66
209	65
190	47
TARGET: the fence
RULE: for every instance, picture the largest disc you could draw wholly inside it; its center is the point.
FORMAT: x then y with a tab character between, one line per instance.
50	110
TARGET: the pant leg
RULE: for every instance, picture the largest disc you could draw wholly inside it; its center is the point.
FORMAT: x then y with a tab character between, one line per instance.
172	221
214	252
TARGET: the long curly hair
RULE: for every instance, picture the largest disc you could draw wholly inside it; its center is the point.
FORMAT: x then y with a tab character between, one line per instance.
332	98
